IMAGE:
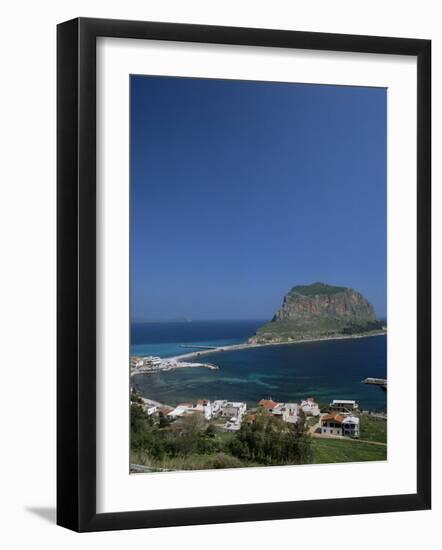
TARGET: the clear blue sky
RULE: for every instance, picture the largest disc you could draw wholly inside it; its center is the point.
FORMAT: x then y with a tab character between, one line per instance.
241	190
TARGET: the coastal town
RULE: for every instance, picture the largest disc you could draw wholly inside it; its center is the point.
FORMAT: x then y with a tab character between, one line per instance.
342	419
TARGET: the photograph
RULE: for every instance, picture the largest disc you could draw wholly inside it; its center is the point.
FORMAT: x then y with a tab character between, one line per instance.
258	274
227	218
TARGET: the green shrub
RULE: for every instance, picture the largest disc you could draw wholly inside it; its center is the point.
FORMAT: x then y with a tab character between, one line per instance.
222	460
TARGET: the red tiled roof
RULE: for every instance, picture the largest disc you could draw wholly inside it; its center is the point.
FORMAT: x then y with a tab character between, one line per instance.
268	403
336	417
165	410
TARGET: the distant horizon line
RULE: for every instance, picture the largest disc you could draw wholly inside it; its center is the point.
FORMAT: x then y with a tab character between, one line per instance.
214	320
191	320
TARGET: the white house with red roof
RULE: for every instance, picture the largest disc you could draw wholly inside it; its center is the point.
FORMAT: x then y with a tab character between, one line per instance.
341	424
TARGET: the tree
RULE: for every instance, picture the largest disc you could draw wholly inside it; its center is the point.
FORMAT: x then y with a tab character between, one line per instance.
269	440
211	430
135	396
137	418
222	460
182	437
163	421
190	424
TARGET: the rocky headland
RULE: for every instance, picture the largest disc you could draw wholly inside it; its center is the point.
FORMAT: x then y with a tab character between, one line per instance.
319	311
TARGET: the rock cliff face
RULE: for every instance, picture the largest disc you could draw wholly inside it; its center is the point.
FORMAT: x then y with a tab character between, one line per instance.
344	303
319	310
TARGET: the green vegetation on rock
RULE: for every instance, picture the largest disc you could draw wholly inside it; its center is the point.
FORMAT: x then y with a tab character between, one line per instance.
317	311
316	289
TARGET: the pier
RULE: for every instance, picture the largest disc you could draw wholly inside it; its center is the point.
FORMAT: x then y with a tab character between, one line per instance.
382	382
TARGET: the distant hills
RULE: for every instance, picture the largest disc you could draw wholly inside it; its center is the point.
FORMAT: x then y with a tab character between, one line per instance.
319	310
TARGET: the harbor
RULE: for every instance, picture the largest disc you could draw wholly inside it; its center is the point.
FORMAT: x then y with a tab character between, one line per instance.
151	365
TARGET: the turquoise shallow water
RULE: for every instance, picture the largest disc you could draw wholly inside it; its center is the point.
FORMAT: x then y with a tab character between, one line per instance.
167	339
325	370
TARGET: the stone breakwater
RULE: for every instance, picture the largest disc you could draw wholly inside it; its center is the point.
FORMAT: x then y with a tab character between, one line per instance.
252	343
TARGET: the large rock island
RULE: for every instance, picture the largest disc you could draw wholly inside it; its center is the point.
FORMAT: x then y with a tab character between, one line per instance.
319	311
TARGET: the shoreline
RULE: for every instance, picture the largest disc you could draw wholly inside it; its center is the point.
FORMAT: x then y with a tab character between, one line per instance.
245	345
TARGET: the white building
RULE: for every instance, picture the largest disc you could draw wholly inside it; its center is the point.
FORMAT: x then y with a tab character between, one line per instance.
343	405
151	361
180	410
310	407
288	412
204	406
217	406
337	423
232	425
277	410
234	409
350	426
222	407
136	362
176	412
150	409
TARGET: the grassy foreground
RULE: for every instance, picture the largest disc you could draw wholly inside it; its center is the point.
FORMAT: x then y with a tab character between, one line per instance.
373	429
327	451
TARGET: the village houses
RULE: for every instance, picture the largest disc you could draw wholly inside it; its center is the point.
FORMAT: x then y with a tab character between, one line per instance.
340	421
233	410
289	412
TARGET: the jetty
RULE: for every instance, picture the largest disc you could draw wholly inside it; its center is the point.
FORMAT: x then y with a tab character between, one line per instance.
382	382
207	350
197	347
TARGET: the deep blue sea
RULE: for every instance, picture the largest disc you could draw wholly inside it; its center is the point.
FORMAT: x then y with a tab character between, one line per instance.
326	370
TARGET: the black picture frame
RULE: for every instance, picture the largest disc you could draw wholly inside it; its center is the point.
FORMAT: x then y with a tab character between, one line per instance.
76	274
